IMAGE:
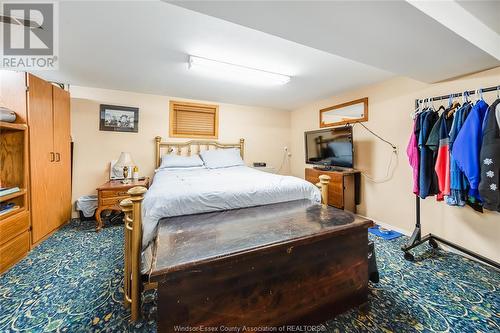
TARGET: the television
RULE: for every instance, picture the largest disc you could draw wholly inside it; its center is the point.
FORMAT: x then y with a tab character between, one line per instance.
330	147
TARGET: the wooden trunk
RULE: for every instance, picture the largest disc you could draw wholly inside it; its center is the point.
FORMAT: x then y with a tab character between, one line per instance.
308	264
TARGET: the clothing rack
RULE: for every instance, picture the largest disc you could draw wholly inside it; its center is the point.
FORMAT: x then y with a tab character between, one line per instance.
416	238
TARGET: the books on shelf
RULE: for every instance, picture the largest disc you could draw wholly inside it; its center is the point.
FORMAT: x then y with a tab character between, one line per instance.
8	207
8	190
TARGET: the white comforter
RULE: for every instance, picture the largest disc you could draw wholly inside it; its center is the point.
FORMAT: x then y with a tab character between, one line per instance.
200	190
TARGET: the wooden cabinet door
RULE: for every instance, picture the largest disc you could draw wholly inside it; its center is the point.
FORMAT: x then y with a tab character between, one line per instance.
62	149
42	170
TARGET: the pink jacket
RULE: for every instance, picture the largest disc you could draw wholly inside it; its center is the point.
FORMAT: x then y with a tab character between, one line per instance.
413	157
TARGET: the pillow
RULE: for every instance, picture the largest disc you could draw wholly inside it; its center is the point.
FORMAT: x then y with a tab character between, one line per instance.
176	161
221	158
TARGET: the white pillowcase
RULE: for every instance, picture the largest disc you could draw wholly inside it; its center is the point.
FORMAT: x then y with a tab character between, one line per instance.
176	161
221	158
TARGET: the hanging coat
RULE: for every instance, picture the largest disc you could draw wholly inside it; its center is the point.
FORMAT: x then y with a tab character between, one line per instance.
427	176
489	186
442	166
468	146
413	154
458	182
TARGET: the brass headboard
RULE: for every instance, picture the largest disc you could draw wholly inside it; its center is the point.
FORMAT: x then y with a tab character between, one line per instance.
191	147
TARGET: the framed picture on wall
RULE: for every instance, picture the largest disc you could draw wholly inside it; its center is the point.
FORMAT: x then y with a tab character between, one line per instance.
118	118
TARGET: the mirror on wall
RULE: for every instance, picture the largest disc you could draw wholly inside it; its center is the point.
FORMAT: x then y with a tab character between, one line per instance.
345	113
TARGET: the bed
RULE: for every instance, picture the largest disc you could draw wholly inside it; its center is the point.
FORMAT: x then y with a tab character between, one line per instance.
188	191
193	191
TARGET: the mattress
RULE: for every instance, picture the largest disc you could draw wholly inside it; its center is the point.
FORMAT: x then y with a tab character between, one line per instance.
186	191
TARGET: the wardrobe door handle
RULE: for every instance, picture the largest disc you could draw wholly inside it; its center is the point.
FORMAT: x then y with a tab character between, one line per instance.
58	157
52	156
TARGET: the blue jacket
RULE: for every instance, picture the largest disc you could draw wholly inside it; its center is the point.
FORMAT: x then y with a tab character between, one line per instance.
467	147
458	182
428	184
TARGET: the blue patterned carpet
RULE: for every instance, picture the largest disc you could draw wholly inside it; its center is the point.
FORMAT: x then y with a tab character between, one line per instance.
72	283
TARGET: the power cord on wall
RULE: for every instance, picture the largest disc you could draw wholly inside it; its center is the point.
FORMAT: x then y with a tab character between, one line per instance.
286	154
394	156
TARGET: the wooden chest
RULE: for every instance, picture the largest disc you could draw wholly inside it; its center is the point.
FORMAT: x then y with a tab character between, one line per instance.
289	263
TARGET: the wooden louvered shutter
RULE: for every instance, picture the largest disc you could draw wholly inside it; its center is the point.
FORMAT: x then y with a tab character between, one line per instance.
192	120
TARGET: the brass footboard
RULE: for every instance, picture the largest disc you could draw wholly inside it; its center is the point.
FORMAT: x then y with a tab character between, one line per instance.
133	245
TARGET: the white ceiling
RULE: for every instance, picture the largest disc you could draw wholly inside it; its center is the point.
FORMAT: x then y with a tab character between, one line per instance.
327	47
390	35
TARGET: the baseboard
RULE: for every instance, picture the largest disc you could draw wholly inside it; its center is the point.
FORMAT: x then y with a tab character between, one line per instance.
408	233
388	226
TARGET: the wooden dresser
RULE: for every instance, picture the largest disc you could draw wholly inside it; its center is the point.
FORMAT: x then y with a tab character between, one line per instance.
343	190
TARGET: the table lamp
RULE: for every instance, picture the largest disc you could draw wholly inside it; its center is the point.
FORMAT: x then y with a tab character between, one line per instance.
123	164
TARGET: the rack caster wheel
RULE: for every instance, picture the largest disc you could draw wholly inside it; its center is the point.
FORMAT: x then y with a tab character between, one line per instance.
433	243
409	256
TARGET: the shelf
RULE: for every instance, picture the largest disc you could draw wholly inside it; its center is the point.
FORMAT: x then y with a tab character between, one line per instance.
13	195
12	126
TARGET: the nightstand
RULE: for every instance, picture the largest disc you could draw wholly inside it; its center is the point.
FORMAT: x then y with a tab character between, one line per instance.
111	193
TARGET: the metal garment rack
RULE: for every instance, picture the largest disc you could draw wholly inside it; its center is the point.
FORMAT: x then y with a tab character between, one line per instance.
416	238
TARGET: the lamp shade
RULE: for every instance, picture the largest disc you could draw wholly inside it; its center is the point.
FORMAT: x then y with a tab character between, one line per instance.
125	160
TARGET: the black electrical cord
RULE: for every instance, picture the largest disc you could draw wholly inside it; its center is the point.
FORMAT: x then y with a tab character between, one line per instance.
394	148
394	153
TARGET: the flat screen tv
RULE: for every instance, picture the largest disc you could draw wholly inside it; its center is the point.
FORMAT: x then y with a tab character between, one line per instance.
330	147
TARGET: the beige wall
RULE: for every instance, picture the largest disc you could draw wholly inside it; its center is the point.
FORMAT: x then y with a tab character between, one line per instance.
392	202
266	132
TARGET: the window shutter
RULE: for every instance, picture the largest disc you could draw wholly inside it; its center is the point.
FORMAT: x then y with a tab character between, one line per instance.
190	120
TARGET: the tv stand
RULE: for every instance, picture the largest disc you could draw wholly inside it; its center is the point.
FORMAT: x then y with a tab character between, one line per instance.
343	189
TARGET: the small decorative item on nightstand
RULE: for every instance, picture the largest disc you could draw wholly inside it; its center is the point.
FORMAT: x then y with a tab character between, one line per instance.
135	174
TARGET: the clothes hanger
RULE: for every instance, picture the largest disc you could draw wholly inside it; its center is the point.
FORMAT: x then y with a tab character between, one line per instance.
431	105
441	108
454	106
465	100
417	111
480	94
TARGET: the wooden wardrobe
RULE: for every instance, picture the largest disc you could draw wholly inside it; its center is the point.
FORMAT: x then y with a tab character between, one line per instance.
45	109
48	109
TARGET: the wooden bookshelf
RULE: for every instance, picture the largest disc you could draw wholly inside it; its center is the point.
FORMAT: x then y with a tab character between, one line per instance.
14	225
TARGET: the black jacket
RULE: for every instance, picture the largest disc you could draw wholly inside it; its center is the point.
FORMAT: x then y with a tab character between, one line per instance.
489	187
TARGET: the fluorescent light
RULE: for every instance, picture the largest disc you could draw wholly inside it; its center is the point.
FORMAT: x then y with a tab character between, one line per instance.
232	72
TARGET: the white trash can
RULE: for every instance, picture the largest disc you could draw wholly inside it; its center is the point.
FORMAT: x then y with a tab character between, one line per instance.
87	206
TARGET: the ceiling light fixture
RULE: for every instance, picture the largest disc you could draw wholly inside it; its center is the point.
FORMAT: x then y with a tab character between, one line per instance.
232	72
